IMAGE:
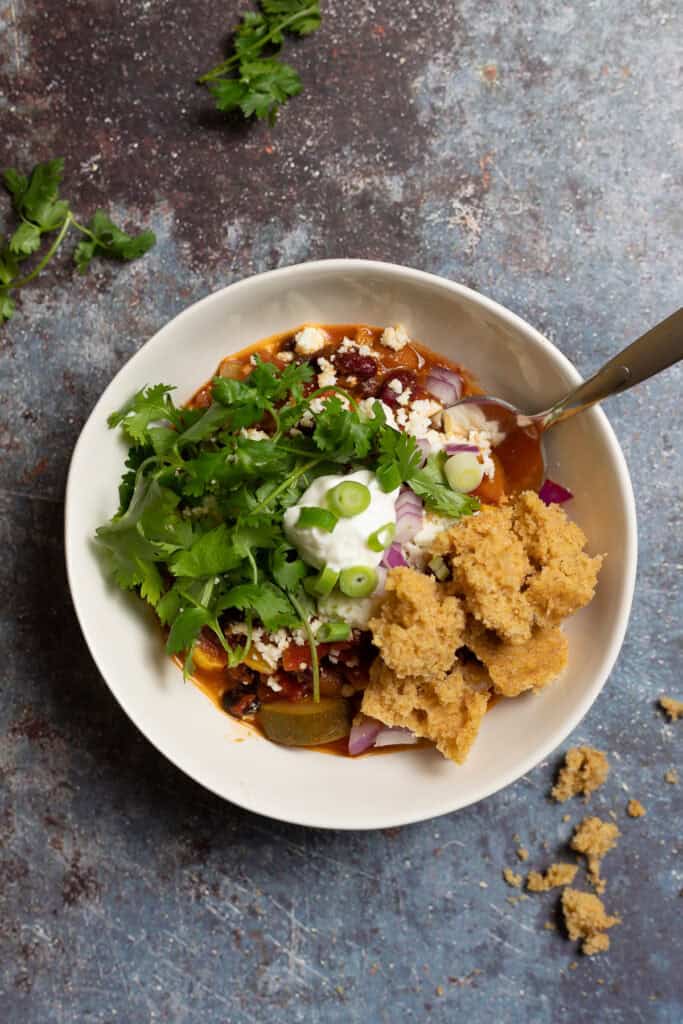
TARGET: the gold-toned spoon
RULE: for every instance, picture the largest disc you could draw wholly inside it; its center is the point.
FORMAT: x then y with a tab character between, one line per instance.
521	451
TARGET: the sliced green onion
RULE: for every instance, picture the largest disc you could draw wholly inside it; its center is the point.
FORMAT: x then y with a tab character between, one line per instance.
320	517
439	568
382	538
359	581
322	584
349	498
330	632
464	472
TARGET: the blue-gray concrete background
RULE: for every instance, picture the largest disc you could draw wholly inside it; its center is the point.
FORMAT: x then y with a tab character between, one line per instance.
530	150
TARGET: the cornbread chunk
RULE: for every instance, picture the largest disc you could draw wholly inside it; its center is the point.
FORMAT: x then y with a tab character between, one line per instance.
556	875
419	626
635	809
446	710
594	838
489	568
673	707
514	668
519	565
584	770
565	576
586	919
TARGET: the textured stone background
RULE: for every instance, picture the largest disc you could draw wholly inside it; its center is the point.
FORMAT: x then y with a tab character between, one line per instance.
531	150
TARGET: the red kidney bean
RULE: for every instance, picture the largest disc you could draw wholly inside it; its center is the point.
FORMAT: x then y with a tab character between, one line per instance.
354	364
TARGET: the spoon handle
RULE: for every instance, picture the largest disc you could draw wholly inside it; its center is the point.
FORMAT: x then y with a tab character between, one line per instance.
660	347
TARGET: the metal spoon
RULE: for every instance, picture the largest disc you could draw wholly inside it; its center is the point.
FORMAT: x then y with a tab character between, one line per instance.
659	348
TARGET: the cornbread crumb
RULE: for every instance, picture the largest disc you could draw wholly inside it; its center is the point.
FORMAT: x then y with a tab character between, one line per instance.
566	817
586	920
673	707
594	838
671	777
556	875
550	926
511	878
523	853
635	809
447	710
419	627
585	770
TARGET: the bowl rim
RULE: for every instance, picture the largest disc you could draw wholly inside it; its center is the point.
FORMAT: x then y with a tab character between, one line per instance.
629	549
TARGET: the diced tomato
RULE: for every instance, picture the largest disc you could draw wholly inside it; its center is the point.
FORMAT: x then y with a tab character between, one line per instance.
297	655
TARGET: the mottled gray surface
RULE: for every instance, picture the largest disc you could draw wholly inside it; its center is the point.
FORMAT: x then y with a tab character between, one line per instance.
531	150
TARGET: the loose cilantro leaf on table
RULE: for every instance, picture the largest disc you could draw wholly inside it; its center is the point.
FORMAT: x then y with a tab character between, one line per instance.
253	80
41	213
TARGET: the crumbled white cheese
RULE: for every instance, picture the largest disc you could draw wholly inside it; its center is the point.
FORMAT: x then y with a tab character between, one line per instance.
349	345
459	420
418	422
395	337
254	434
271	646
273	684
306	418
396	385
327	378
366	410
310	340
317	405
404	397
285	357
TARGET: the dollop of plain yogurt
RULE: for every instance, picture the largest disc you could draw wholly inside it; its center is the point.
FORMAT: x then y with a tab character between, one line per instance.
347	545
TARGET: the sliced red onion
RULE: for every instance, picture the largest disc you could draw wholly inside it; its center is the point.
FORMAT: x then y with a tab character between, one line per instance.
453	448
554	494
409	515
444	384
363	735
423	444
392	737
367	732
393	557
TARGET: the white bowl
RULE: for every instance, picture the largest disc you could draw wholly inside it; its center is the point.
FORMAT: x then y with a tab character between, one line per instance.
512	360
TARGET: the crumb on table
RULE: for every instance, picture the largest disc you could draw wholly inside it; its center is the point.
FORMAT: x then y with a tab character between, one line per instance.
512	878
584	770
635	809
594	838
586	919
671	776
522	853
556	875
672	707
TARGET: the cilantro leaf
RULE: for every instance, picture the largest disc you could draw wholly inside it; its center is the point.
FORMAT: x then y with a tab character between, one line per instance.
399	458
257	83
287	572
149	405
303	17
25	240
186	628
111	241
6	306
268	602
211	554
342	432
34	199
441	499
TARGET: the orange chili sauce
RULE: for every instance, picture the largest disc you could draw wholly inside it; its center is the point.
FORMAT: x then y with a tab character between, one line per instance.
517	459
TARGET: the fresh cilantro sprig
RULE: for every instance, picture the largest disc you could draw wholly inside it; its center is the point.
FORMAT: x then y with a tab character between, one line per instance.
253	80
41	214
199	531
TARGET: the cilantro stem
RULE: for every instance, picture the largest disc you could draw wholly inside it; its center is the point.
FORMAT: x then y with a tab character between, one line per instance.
68	221
315	665
294	475
228	64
